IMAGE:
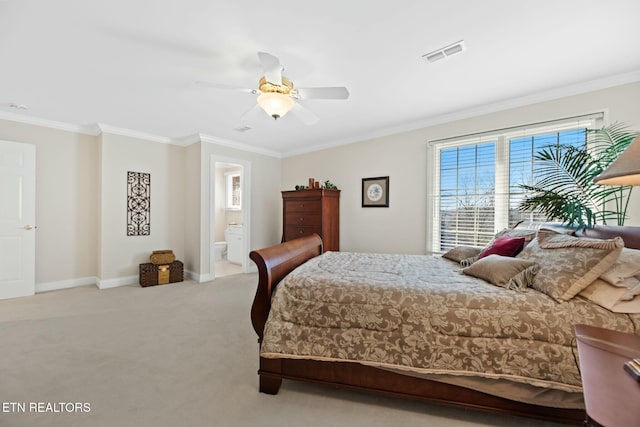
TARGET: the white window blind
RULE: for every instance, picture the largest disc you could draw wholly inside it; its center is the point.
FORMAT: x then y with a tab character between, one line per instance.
475	191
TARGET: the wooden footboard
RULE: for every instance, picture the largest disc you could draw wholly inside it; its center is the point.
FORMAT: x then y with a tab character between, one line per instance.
274	263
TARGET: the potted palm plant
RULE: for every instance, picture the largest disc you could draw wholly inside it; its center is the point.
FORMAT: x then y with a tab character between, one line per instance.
564	189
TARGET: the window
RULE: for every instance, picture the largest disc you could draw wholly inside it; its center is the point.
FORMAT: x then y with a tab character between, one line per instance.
234	199
467	192
475	191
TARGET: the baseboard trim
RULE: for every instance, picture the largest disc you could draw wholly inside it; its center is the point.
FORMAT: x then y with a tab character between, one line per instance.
65	284
108	283
120	281
200	278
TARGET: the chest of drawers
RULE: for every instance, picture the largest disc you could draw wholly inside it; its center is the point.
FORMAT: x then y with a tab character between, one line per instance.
317	211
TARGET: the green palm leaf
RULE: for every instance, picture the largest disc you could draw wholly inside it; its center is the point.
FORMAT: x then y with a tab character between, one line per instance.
564	187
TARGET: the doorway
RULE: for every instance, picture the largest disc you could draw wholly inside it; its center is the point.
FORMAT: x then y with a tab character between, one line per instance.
229	216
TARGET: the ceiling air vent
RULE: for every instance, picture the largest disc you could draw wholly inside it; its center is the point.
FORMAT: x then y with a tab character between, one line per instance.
444	52
242	129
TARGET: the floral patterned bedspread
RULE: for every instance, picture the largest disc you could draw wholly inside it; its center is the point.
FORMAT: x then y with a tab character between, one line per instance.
420	314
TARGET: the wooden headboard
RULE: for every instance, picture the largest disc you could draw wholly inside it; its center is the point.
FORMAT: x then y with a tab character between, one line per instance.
630	235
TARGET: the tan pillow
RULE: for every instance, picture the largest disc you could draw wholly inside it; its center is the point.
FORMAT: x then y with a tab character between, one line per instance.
459	253
569	264
627	265
613	298
528	234
504	271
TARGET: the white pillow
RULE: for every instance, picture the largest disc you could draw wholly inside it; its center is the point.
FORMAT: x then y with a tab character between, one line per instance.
627	265
613	297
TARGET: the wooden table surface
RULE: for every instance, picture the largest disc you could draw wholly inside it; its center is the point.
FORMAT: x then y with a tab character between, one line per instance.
612	396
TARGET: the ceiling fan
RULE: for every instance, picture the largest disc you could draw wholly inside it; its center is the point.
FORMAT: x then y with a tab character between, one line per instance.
277	95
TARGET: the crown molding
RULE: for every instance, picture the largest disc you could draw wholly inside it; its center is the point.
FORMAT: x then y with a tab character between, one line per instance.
534	98
52	124
239	146
100	128
522	101
133	134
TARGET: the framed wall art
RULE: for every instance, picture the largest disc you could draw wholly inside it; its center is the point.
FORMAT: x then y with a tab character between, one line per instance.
375	192
138	204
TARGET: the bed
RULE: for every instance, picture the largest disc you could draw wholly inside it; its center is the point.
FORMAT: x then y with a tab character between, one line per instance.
415	327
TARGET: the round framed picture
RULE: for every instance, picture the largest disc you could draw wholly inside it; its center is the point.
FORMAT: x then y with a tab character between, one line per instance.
375	192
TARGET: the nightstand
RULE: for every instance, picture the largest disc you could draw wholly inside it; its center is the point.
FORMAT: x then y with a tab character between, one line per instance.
611	395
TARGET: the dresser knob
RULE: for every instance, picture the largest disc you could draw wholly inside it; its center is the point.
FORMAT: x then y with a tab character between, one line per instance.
301	219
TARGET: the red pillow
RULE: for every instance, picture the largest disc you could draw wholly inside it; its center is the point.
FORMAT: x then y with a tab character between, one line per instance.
505	246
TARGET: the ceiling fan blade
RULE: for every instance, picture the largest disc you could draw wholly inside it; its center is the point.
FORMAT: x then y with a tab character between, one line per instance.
226	87
323	92
271	67
307	116
251	114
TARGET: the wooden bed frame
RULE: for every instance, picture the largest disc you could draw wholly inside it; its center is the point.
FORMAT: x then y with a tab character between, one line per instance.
275	262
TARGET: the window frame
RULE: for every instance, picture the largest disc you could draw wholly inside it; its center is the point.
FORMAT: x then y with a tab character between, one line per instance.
229	205
501	137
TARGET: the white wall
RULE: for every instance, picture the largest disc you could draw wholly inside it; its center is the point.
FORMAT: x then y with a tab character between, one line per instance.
401	228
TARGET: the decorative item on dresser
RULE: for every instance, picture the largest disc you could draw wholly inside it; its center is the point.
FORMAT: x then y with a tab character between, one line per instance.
312	211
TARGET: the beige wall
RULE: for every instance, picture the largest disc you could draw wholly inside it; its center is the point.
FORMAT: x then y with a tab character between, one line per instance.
121	254
66	200
192	213
401	228
263	174
81	203
81	190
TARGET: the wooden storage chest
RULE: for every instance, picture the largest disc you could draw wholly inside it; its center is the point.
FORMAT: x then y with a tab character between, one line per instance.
161	274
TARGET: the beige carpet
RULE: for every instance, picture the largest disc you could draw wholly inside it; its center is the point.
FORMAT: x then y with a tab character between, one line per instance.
175	355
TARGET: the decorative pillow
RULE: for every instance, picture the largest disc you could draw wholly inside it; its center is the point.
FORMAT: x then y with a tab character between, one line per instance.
613	297
504	271
505	246
528	234
627	265
459	253
569	264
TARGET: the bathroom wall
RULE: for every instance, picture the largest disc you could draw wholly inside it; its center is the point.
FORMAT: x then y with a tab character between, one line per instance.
222	215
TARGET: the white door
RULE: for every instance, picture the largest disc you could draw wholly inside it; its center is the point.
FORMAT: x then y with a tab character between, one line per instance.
17	219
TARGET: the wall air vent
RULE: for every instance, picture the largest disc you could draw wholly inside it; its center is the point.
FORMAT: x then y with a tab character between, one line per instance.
444	52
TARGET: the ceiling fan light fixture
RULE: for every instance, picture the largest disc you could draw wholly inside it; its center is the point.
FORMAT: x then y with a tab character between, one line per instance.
275	104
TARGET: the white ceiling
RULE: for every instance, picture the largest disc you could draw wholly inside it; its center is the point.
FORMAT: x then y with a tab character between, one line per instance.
133	64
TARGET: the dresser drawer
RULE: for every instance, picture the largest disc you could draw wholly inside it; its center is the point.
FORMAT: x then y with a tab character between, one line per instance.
293	232
303	218
302	206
